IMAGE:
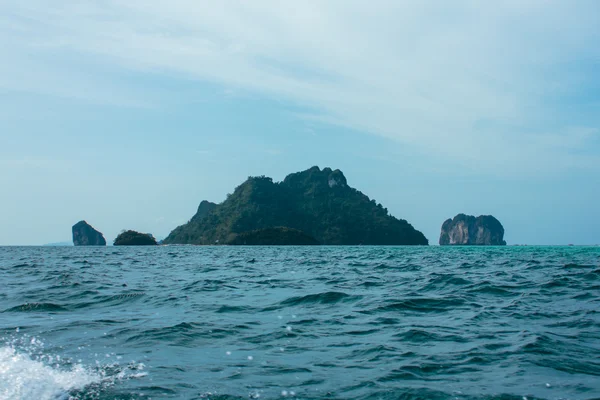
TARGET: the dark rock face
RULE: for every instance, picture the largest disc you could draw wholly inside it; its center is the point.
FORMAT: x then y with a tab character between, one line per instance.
133	238
278	236
317	202
85	235
464	229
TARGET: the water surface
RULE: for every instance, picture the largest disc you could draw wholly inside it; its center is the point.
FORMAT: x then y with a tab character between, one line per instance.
187	322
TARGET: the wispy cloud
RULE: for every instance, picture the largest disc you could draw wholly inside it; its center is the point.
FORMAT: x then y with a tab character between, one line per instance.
480	83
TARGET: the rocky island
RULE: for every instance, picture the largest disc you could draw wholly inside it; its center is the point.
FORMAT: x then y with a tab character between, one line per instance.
85	235
133	238
313	205
464	229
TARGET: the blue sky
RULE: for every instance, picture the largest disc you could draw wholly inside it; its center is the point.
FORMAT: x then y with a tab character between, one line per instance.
129	113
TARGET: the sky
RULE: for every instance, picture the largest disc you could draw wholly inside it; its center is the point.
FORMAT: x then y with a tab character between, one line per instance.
128	113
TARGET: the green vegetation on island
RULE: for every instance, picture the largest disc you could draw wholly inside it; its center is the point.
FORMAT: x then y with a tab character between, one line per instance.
133	238
277	236
317	202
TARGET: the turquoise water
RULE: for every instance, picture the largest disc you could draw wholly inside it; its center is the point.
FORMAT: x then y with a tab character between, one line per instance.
184	322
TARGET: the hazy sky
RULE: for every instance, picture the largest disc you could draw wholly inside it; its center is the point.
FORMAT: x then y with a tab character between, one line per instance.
127	113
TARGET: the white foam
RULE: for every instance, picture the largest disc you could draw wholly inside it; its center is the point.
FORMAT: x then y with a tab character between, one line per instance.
24	378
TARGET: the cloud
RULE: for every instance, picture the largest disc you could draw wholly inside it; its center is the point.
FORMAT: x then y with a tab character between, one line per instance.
479	83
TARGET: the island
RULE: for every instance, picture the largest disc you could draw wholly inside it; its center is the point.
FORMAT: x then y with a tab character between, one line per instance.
85	235
484	230
316	203
133	238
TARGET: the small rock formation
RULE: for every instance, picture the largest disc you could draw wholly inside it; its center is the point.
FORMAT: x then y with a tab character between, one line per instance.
278	236
85	235
133	238
464	229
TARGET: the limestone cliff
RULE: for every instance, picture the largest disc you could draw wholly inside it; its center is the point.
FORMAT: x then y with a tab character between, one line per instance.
85	235
464	229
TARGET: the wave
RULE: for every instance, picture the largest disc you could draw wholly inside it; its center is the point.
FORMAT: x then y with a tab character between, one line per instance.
125	296
23	265
24	378
116	299
319	298
574	265
440	281
29	371
488	288
184	334
423	304
234	309
37	307
426	336
429	394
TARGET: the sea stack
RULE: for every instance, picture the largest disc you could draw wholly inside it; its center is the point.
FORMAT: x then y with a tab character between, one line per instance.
133	238
465	230
85	235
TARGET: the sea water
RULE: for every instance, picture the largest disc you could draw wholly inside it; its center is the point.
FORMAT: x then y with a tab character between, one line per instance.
186	322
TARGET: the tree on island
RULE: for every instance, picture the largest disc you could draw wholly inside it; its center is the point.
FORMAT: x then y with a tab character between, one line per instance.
133	238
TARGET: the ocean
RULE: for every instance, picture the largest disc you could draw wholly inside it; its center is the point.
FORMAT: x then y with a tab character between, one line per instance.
187	322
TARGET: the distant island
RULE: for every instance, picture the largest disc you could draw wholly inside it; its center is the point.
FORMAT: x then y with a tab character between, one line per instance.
133	238
310	205
464	229
85	235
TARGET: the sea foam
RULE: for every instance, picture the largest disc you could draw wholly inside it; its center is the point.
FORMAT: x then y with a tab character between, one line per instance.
22	377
